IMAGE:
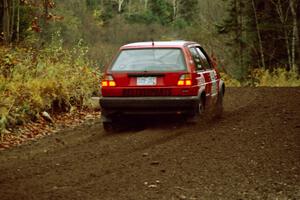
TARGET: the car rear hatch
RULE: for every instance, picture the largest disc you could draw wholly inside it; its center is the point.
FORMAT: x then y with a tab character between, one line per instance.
148	72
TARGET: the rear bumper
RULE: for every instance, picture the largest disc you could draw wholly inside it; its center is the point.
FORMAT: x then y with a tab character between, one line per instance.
148	105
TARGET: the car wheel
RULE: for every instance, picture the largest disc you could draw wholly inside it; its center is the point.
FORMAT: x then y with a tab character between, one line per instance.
200	107
197	113
108	123
108	127
219	106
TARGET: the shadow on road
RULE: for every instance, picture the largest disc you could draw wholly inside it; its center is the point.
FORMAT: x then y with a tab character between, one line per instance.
140	123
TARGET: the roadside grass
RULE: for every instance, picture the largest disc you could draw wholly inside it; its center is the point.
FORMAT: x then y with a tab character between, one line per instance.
230	81
52	79
279	77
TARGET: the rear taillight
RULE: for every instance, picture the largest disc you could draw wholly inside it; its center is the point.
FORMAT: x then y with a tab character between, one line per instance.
185	80
108	81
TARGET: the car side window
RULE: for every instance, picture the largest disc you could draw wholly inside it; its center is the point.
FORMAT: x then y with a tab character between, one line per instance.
203	58
197	59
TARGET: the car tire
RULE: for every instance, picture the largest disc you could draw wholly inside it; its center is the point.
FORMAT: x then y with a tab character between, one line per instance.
218	111
108	127
198	112
108	123
201	107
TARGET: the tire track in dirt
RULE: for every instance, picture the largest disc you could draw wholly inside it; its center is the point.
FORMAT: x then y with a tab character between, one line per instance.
162	139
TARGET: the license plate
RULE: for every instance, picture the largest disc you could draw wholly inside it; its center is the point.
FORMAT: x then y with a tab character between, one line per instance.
146	81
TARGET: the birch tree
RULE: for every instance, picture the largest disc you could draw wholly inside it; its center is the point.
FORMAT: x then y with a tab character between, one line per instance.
261	51
120	4
175	9
295	35
18	22
284	19
145	4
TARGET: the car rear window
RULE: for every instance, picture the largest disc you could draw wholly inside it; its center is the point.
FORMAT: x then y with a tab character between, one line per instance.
154	59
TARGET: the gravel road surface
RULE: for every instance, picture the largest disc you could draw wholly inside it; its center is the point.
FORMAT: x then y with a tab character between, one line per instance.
253	152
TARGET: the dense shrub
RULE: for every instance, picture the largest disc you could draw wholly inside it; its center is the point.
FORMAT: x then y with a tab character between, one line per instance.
229	81
279	77
51	79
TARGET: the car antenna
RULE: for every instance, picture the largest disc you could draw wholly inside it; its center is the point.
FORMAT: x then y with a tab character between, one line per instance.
152	42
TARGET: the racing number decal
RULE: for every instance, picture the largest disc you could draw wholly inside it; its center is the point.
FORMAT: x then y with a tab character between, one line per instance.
214	85
201	79
206	70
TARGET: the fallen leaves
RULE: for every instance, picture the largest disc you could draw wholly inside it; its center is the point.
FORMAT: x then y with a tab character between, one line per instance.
43	127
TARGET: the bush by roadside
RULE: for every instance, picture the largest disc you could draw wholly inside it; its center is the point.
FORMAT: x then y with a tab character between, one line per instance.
52	79
279	77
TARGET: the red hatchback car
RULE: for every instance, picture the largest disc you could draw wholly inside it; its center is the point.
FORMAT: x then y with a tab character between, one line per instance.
175	77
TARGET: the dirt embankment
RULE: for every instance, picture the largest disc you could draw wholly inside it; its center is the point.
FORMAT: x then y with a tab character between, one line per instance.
253	152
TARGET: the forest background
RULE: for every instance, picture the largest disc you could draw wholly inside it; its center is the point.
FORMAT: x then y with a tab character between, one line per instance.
52	52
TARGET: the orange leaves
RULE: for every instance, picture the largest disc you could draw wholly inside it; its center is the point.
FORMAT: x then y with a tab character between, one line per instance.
35	26
54	17
42	13
49	3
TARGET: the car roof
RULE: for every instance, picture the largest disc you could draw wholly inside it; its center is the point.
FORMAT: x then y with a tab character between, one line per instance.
158	44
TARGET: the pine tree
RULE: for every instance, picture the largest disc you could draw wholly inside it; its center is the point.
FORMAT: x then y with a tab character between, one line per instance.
236	28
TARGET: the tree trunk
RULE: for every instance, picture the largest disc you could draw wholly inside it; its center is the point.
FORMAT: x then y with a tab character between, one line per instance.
283	17
146	5
287	43
295	37
18	22
259	37
174	9
12	19
46	10
240	29
129	6
120	3
6	22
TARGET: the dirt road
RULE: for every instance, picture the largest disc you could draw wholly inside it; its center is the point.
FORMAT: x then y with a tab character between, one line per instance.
253	152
